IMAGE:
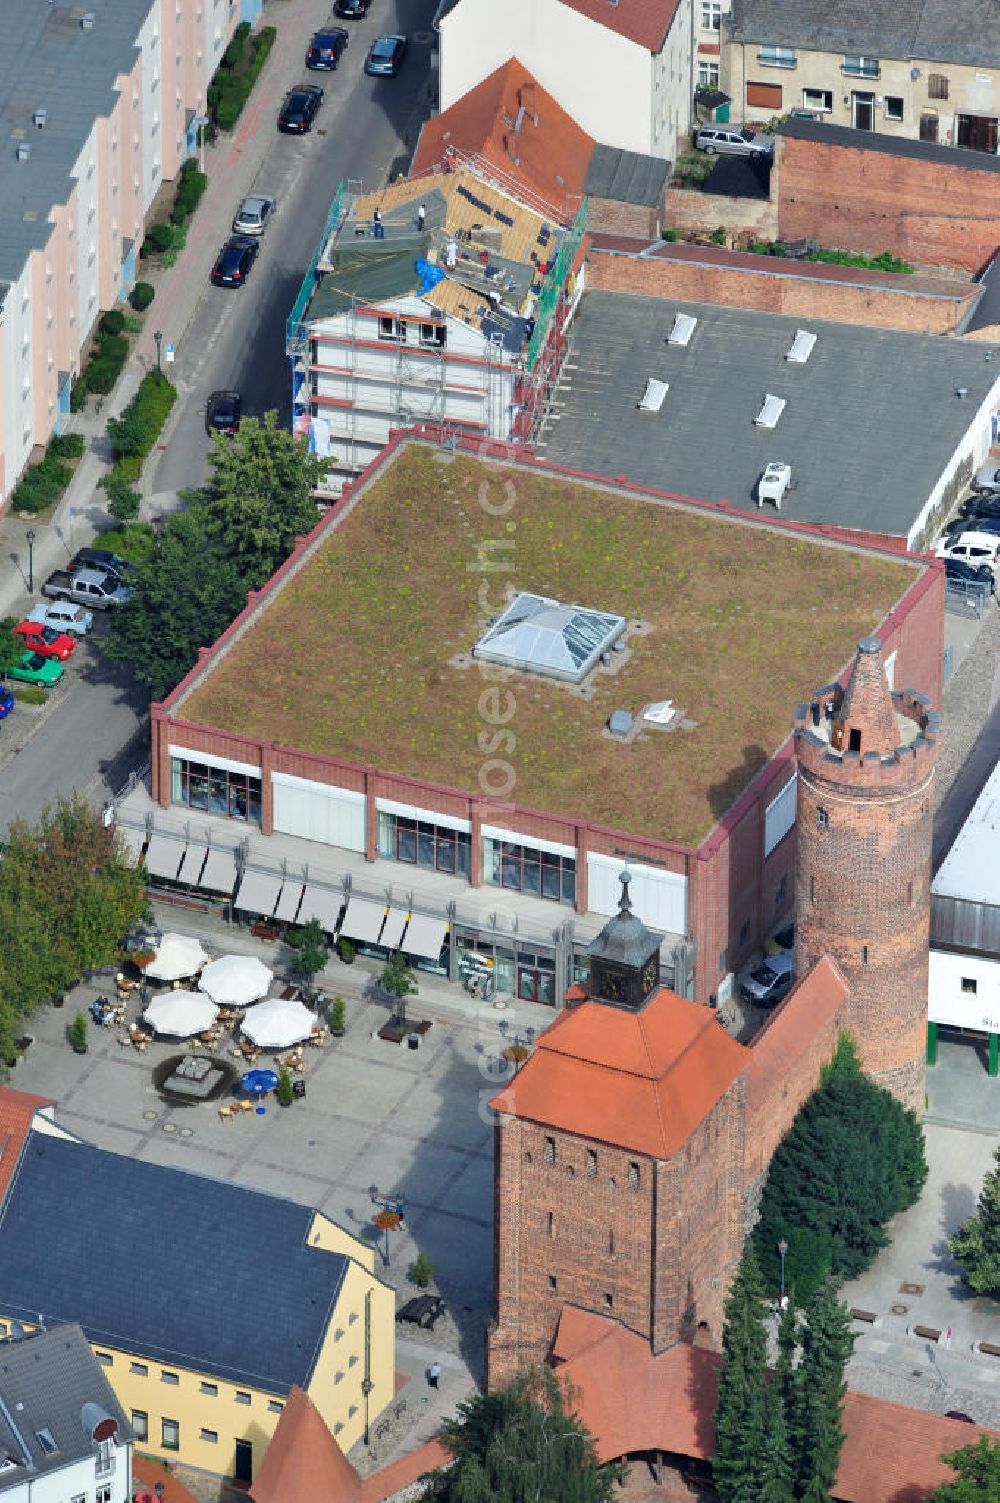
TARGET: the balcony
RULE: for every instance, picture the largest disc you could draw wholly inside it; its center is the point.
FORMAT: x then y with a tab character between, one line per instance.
861	67
777	57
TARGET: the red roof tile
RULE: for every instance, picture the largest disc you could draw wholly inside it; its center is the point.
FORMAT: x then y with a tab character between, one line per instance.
645	22
17	1112
786	1035
549	158
631	1401
639	1080
399	1474
303	1461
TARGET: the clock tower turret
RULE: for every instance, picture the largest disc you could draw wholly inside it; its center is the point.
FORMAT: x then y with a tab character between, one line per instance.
625	959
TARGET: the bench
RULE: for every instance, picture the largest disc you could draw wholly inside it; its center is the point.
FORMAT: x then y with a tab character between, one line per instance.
927	1333
989	1348
261	930
868	1316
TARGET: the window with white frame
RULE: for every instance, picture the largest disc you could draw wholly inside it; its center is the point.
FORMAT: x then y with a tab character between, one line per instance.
862	67
817	99
777	57
392	328
708	75
893	107
711	15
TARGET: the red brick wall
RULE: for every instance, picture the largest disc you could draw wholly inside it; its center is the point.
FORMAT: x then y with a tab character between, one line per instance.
769	290
931	214
690	209
608	216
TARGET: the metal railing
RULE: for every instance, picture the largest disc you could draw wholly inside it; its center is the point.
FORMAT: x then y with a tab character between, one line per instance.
295	328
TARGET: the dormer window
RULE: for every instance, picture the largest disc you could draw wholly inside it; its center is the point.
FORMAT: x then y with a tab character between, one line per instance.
47	1441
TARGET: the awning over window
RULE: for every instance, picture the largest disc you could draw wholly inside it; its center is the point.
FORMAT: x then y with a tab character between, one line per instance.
219	874
258	893
163	857
288	903
322	903
392	931
191	864
424	936
363	920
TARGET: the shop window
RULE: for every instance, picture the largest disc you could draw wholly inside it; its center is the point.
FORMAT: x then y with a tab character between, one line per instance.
418	843
170	1435
140	1424
524	868
969	985
216	790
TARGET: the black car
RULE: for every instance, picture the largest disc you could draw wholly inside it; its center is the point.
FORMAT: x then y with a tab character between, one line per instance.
326	47
985	505
352	10
385	56
101	558
222	415
959	570
235	261
299	109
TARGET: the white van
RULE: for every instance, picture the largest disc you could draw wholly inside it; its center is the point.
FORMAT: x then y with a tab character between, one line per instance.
972	548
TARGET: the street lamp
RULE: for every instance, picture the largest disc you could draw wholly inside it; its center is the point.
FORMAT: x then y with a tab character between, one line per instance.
389	1217
29	538
158	340
782	1249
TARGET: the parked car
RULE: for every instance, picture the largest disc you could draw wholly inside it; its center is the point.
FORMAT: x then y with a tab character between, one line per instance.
782	940
102	558
352	10
771	981
63	616
235	261
99	589
988	478
385	56
222	415
972	547
32	668
299	109
985	504
254	214
6	702
326	47
961	572
45	640
730	141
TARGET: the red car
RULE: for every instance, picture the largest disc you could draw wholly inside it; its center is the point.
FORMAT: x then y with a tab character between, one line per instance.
46	640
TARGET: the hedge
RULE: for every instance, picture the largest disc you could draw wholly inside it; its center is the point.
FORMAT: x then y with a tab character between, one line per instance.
237	73
44	483
141	296
113	322
105	365
67	445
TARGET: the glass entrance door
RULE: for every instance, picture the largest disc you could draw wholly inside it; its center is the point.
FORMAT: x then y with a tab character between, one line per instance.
863	110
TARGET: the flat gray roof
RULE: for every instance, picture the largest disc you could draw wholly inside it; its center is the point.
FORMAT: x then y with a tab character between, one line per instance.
969	871
50	61
871	419
628	177
958	31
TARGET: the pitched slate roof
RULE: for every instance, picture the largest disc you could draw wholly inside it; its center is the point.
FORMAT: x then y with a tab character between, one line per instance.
17	1111
46	1379
962	31
178	1267
627	177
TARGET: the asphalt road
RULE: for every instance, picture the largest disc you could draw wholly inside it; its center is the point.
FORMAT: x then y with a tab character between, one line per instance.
365	129
92	733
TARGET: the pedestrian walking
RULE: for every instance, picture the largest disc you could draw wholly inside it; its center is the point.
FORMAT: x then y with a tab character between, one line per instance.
377	228
947	1338
421	217
434	1374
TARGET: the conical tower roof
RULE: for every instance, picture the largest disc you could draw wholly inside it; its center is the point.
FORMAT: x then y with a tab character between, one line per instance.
867	714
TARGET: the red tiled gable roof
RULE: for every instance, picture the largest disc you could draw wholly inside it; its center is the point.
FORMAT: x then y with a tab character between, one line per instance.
645	22
549	159
785	1036
631	1401
303	1461
638	1080
17	1111
394	1478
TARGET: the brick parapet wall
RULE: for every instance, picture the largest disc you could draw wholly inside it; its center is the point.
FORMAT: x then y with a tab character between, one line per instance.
609	216
701	213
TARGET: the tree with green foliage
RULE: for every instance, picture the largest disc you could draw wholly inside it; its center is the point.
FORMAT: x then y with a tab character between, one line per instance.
978	1479
258	498
741	1412
12	648
976	1244
69	893
397	979
309	943
519	1444
852	1159
814	1419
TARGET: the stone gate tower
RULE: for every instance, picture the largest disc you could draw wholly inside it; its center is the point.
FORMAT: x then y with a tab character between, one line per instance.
866	767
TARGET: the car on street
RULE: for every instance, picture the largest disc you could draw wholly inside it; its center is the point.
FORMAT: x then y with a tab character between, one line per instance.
235	261
771	981
254	214
6	702
62	615
101	558
963	573
222	415
352	10
988	478
325	49
299	109
385	56
972	547
45	640
32	668
731	141
985	504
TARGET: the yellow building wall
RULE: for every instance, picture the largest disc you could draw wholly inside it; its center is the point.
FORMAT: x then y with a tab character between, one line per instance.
337	1386
328	1235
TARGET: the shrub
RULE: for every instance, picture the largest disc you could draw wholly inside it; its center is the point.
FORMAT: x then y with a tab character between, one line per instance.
884	261
137	543
113	322
421	1271
718	236
192	185
230	107
241	63
136	431
123	500
42	484
141	296
78	392
671	235
113	347
78	1031
102	375
338	1014
160	237
237	49
285	1093
66	446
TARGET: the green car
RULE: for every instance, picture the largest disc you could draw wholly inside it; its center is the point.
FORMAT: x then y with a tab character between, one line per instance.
34	669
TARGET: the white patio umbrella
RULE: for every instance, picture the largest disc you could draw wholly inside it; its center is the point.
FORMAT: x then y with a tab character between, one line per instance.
181	1013
235	980
278	1023
177	956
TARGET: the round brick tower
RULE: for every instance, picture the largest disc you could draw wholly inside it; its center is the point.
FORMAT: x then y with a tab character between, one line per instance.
866	766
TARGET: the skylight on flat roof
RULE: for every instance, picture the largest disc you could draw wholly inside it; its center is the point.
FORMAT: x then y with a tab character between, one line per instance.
771	411
653	397
684	326
802	347
539	635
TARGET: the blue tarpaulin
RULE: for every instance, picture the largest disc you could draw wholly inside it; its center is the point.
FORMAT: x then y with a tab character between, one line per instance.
429	275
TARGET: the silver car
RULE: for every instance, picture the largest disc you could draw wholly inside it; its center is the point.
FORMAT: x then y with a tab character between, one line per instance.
254	214
729	141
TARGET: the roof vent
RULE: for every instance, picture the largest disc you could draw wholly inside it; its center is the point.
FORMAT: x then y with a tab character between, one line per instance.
961	391
770	412
684	327
653	397
39	118
23	151
620	723
802	347
88	20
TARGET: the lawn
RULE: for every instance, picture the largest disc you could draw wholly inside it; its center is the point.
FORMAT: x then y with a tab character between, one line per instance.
354	657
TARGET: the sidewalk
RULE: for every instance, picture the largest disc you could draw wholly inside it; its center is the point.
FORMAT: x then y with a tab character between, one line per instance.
231	165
